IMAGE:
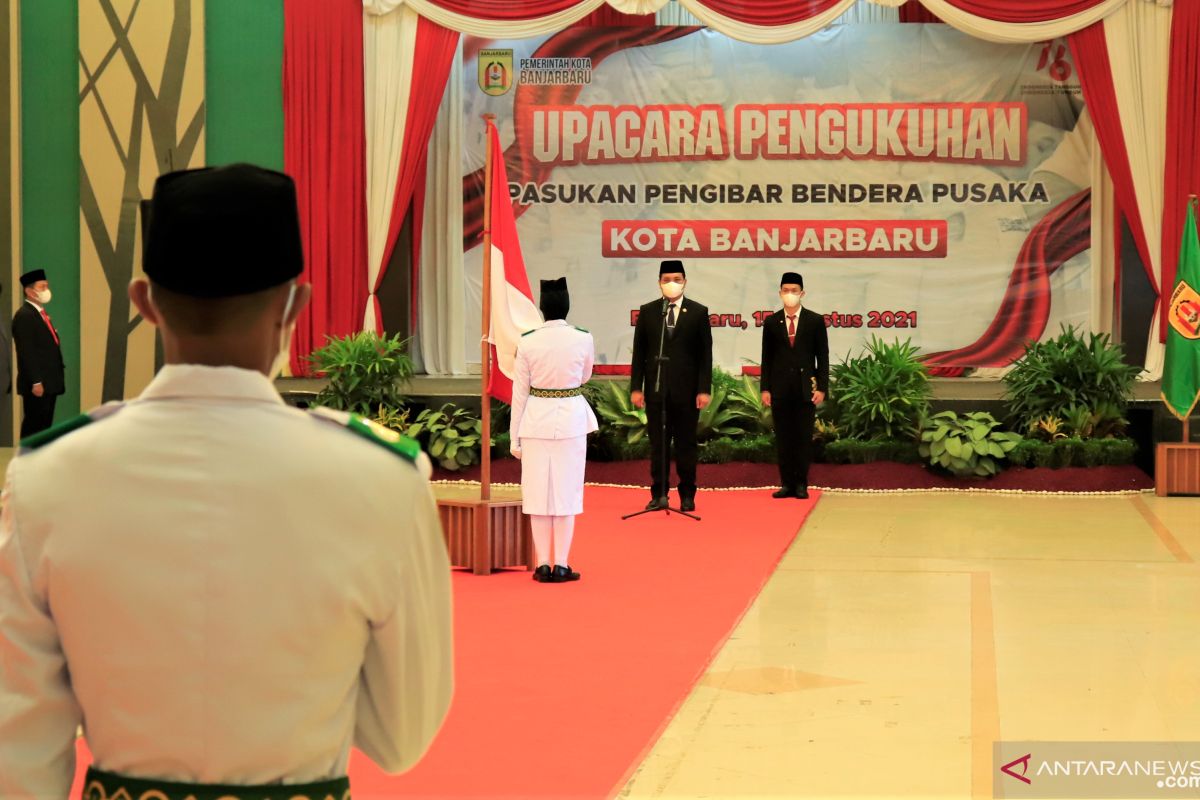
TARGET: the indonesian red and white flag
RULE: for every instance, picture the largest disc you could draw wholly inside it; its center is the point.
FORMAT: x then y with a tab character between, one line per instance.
513	310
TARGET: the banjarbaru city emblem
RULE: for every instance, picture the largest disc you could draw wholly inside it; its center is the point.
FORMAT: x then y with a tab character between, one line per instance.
495	71
1184	315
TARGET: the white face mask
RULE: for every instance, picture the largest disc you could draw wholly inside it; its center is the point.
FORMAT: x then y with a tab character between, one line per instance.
790	300
285	338
43	297
671	290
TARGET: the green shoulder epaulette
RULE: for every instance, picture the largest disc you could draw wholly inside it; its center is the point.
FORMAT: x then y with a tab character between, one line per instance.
58	431
384	437
526	333
371	430
582	330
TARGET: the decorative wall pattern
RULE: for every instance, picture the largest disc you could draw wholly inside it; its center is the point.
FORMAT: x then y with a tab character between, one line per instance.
141	113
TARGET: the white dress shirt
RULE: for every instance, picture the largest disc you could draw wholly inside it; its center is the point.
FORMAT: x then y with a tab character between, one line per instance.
554	356
221	589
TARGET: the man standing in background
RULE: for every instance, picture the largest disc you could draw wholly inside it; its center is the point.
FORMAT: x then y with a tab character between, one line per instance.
795	378
41	377
686	382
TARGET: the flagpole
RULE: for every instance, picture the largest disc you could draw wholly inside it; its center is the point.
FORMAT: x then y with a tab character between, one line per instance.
485	371
1186	437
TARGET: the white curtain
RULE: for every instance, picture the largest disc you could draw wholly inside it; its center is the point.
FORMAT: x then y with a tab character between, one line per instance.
674	14
388	44
442	314
758	34
1139	45
875	11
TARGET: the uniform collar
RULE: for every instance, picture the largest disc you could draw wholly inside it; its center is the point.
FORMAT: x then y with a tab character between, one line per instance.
192	381
41	309
554	323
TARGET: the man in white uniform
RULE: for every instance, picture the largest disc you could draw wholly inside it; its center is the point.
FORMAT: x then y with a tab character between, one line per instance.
226	592
549	426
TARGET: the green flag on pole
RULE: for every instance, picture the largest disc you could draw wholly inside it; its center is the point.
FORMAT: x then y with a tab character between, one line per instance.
1181	371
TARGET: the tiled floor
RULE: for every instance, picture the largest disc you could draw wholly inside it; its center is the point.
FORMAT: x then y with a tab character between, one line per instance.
903	634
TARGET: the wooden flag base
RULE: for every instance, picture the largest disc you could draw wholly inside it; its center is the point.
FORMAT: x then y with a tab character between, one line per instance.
1177	469
485	535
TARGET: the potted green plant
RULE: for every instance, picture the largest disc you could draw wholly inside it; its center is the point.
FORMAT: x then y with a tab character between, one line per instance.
367	373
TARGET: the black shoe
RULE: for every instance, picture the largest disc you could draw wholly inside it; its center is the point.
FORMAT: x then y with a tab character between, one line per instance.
802	493
542	574
687	504
563	574
784	492
657	504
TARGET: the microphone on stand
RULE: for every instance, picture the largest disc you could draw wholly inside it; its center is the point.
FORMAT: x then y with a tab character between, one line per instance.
666	303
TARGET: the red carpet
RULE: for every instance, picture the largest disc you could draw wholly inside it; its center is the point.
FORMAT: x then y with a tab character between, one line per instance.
561	689
876	475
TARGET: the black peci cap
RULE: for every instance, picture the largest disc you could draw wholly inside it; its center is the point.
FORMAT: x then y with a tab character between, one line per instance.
671	266
792	277
33	276
222	231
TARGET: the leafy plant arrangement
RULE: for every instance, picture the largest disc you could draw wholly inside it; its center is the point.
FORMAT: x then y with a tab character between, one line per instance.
825	431
366	372
1070	374
722	379
719	418
968	445
618	416
394	418
1105	420
746	397
1048	428
855	451
1073	452
881	394
759	449
450	435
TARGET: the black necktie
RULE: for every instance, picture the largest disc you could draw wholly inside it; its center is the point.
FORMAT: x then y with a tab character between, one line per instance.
671	319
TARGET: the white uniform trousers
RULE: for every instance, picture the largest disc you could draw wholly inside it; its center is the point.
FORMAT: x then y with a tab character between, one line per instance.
552	476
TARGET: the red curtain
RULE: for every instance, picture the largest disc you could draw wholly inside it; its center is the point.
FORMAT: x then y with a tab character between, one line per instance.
769	12
324	151
1090	51
608	17
506	9
1025	10
913	11
1183	123
753	12
782	12
433	53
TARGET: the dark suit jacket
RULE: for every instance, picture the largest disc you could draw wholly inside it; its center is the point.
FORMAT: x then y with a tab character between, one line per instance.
39	358
788	371
689	372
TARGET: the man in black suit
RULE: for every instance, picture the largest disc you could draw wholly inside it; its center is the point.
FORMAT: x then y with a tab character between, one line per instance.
40	374
685	386
795	378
